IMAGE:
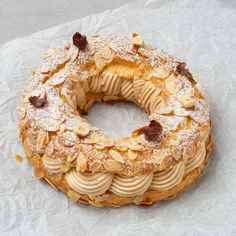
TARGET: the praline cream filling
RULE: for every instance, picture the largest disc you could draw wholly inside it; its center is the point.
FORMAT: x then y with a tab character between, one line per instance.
168	179
52	165
130	186
197	160
95	184
88	183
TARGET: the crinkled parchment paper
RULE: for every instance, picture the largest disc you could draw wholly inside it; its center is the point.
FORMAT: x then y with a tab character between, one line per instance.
203	33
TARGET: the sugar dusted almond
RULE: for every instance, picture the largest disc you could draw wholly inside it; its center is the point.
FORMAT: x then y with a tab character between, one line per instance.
112	165
116	156
74	196
99	147
21	113
121	147
134	147
40	140
170	84
38	173
107	53
81	164
132	155
99	61
64	167
186	101
137	39
95	166
164	110
82	129
50	148
162	72
106	143
90	141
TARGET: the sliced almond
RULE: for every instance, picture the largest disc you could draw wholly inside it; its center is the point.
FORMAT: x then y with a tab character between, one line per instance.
116	156
38	173
164	109
186	102
99	61
121	147
137	39
107	53
134	147
74	196
112	165
106	143
170	84
50	148
95	166
162	72
132	155
90	141
81	164
40	140
64	167
82	129
99	147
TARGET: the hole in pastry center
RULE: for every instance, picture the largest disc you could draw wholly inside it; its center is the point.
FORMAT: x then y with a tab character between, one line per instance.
120	119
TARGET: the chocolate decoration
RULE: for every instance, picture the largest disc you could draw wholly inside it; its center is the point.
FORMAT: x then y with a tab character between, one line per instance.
80	41
37	101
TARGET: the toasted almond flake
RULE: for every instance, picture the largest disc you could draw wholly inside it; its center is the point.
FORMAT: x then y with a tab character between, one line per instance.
99	61
19	158
95	166
71	158
74	196
164	110
98	146
162	72
107	53
50	183
133	146
90	141
82	129
46	138
81	163
186	101
50	148
88	105
40	140
102	198
112	165
38	173
27	148
106	143
170	84
64	167
116	156
132	155
137	39
121	147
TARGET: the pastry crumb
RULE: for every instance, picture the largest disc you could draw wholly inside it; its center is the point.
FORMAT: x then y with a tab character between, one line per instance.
19	158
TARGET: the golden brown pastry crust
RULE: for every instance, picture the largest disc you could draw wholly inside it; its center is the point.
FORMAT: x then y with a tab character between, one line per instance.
59	142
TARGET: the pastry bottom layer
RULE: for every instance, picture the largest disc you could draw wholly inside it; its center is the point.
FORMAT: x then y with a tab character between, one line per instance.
113	200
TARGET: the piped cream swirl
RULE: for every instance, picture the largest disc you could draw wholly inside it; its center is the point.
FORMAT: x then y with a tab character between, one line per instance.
92	184
111	83
130	186
197	159
168	179
52	165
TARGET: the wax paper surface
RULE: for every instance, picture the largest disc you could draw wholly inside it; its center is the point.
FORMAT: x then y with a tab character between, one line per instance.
202	33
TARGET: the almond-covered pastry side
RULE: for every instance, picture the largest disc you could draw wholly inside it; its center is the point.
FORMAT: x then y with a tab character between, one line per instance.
156	162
